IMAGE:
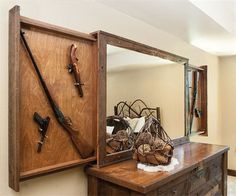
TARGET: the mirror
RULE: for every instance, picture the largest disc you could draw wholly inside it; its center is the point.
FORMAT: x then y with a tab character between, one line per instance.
139	85
136	81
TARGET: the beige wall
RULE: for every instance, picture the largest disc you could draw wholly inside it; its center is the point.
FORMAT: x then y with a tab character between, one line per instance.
160	86
228	106
88	16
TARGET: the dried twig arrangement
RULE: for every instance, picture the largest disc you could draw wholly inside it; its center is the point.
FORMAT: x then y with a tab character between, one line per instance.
135	109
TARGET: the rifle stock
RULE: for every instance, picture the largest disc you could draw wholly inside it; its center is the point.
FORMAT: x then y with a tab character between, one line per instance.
84	149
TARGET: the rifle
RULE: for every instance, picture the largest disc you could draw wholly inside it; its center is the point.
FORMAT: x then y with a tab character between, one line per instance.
195	79
84	149
43	126
72	68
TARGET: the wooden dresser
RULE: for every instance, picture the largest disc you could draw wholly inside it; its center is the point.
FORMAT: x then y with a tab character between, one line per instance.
202	170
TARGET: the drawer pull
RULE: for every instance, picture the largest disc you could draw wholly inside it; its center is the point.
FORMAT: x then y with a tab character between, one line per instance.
200	174
199	171
199	168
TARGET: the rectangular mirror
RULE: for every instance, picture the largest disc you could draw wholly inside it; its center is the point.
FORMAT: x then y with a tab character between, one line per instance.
140	81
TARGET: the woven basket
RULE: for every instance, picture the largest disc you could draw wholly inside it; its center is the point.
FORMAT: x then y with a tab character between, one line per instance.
152	144
120	139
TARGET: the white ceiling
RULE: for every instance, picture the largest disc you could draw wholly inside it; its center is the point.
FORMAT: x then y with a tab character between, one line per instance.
207	24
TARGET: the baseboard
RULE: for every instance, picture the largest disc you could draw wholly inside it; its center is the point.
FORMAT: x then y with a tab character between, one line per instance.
231	172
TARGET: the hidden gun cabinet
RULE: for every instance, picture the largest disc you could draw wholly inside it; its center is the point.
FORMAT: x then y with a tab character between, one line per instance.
204	164
50	46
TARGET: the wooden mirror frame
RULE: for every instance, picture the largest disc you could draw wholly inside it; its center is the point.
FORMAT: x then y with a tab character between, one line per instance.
202	89
105	38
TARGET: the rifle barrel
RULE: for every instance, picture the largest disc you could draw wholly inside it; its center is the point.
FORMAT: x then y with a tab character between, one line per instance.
51	101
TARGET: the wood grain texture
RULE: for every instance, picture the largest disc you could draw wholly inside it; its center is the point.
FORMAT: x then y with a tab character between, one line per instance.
191	157
55	29
92	186
14	94
52	55
54	168
105	38
101	100
205	179
139	47
50	46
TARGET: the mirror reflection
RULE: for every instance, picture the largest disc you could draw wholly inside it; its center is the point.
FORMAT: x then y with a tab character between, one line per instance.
140	86
197	100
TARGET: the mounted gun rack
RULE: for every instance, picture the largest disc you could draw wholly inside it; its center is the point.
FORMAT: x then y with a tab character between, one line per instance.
50	46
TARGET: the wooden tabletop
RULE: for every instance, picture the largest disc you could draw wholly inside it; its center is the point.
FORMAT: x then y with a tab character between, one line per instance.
127	175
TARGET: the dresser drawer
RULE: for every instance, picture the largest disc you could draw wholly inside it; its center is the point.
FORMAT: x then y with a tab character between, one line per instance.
198	177
177	187
215	168
206	178
177	190
211	188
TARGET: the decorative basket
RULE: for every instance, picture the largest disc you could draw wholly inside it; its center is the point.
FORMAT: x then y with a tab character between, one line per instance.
152	144
120	139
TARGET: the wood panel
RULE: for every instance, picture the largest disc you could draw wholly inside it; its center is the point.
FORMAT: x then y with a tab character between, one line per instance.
50	46
111	189
55	29
14	94
101	95
52	55
92	186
